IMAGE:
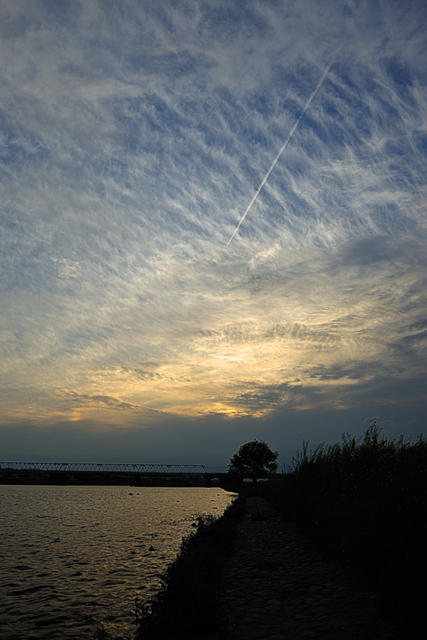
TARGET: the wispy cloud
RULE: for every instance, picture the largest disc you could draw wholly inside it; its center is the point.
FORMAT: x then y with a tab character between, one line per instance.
130	139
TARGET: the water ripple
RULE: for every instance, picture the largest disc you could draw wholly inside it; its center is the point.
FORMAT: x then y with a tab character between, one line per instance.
73	557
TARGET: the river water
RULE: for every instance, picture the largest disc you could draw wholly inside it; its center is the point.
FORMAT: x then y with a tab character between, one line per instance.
73	557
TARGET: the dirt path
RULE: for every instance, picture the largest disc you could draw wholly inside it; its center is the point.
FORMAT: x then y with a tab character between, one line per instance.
278	587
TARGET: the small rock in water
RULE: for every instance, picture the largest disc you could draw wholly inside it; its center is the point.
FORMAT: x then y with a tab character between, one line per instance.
151	548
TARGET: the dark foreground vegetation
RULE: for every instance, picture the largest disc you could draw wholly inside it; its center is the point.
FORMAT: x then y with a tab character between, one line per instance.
365	502
188	603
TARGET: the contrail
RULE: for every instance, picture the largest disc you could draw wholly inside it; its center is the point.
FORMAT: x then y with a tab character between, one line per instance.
284	145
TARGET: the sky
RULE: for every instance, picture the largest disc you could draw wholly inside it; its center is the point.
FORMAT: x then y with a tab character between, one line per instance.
134	134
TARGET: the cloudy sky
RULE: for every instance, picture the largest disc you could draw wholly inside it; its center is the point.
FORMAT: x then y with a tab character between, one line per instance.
134	135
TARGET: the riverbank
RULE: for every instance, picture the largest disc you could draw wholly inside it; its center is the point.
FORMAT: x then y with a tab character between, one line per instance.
259	577
188	604
335	548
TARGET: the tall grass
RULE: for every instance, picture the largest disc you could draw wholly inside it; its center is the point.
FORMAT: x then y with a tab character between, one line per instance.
366	502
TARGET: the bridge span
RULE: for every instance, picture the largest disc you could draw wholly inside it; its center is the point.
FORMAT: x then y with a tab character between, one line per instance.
94	472
107	467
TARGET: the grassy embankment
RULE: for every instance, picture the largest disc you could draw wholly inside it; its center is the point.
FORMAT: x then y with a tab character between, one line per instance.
365	502
188	603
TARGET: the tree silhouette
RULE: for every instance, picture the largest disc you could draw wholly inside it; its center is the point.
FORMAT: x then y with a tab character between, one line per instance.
253	460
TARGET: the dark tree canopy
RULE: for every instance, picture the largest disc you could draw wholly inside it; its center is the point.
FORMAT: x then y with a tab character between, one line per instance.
253	460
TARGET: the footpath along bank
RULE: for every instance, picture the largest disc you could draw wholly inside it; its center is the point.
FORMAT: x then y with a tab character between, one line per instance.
259	577
278	586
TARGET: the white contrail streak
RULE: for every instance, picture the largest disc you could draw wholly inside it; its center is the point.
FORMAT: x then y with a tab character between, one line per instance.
284	145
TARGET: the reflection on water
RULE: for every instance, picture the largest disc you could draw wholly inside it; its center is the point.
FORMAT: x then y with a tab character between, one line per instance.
72	557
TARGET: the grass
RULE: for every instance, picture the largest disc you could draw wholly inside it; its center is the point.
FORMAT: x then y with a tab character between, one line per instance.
188	604
365	502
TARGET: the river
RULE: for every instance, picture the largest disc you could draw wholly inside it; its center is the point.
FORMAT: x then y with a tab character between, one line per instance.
72	557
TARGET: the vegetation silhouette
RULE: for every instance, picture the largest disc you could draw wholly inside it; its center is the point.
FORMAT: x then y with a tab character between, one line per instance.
253	460
365	502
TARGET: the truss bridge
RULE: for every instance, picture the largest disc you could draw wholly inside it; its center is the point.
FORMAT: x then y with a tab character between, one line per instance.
103	473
